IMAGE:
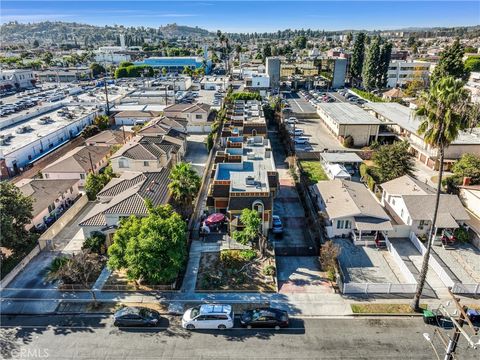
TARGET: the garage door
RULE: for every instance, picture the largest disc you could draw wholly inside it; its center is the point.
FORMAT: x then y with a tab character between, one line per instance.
198	129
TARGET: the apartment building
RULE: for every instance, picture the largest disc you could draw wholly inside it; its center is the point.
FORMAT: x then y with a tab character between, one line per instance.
400	72
244	119
17	79
244	176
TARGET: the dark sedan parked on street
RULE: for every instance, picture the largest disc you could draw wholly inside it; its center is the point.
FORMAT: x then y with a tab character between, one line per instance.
136	316
264	317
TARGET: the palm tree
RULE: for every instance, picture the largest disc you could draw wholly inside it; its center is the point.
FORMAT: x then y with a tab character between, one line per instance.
444	113
184	185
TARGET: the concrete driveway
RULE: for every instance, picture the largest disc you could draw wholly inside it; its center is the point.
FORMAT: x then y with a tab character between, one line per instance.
300	274
197	153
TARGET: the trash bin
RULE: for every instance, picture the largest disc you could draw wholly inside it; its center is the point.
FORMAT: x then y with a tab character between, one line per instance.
474	316
431	317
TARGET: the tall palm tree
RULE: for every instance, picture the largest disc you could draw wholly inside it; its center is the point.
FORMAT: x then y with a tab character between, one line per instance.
184	185
444	111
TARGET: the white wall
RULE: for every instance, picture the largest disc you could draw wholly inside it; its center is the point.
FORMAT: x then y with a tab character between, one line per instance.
471	199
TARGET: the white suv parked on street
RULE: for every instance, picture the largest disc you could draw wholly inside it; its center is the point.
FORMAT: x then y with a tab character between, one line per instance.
208	316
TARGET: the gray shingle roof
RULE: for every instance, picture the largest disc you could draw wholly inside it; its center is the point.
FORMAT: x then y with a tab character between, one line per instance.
345	113
78	160
421	207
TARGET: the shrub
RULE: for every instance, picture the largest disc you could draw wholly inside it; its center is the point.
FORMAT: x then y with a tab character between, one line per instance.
368	96
363	169
331	275
348	141
248	254
461	234
95	243
269	270
209	142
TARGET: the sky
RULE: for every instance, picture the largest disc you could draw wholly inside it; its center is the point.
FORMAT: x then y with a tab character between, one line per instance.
250	16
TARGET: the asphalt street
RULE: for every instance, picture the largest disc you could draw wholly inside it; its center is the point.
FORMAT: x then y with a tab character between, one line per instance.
94	337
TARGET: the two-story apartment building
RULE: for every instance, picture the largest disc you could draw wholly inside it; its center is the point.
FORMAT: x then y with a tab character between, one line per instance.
244	176
403	122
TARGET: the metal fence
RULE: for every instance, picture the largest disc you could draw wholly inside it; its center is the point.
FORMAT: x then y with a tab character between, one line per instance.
372	288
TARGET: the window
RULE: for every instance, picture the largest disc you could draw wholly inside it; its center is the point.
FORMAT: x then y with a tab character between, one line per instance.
82	176
393	201
29	157
401	213
348	224
340	224
123	163
145	163
45	176
198	116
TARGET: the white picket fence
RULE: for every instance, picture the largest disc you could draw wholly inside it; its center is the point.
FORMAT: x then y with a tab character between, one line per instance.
457	288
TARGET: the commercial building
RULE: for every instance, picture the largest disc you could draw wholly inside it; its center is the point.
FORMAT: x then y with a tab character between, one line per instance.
401	72
177	64
16	79
273	71
402	121
344	119
244	177
25	142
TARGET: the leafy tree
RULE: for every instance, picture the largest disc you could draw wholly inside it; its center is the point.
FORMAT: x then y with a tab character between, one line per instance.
372	65
358	56
411	41
152	249
348	142
95	243
81	268
184	185
97	69
267	51
164	71
393	161
468	166
36	44
300	42
102	121
47	58
187	71
89	131
15	213
349	38
252	231
444	114
451	63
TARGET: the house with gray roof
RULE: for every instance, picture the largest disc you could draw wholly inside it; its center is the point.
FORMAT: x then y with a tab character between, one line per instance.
49	196
77	163
350	209
109	138
401	120
197	116
125	196
148	153
412	203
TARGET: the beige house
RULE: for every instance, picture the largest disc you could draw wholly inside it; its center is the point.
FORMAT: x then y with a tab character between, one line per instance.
109	138
77	163
148	153
197	116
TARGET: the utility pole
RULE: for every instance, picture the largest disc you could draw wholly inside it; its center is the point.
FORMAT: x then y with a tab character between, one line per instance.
123	132
91	162
106	93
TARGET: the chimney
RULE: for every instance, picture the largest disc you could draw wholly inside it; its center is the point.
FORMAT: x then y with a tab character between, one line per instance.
466	180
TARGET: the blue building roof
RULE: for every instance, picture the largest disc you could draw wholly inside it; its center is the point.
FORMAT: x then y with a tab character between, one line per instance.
180	62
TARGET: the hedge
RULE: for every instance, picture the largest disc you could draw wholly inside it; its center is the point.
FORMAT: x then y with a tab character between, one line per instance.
368	96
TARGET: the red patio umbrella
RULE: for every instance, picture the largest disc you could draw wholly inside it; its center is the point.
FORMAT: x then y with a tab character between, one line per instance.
215	219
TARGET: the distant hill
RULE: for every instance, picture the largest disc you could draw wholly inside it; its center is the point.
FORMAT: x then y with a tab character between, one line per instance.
58	32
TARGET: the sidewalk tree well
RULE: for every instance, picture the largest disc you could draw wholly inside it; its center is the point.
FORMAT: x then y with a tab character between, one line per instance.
184	186
444	111
15	213
151	249
252	231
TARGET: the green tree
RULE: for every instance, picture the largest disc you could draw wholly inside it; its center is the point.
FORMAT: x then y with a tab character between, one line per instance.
372	65
385	55
393	161
252	230
468	166
472	64
47	58
349	38
358	56
451	63
102	121
267	50
97	69
15	213
444	114
184	185
152	249
96	182
36	44
300	42
164	71
95	243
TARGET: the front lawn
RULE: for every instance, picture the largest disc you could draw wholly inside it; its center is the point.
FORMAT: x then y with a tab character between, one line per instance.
314	171
235	270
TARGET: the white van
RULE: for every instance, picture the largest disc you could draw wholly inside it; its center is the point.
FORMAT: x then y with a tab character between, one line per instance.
208	316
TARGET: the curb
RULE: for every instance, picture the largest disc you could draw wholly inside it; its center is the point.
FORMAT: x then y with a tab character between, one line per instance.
385	315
